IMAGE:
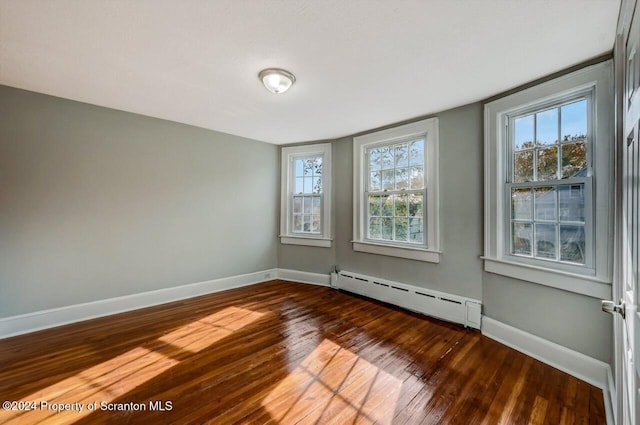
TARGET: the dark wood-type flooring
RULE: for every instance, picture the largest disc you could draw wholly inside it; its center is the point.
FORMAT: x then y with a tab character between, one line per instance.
282	353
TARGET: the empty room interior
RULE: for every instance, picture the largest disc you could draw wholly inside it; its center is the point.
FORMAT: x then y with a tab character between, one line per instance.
319	212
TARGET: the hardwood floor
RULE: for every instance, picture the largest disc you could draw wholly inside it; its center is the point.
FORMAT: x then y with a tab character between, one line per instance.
282	353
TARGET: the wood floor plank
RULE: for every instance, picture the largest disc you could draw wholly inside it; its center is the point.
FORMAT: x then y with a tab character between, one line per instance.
283	353
596	408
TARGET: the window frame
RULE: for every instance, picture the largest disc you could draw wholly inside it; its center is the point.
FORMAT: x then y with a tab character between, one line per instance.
593	278
429	249
288	156
510	117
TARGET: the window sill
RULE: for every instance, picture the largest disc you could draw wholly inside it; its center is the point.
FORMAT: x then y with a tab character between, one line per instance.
580	284
301	240
419	254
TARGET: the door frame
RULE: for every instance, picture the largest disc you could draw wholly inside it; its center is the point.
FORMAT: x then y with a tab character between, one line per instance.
625	17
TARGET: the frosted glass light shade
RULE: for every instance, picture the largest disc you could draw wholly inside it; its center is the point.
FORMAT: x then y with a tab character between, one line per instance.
276	80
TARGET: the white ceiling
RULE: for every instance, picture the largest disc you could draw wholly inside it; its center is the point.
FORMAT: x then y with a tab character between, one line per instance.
360	64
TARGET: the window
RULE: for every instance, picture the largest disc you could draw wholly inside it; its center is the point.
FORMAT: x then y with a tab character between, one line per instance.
548	182
396	191
306	195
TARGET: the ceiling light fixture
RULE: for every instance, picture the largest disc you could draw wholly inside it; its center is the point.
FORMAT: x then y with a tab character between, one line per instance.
276	80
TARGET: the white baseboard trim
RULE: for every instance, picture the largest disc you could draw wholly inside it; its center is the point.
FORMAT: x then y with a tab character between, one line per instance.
31	322
581	366
304	277
610	398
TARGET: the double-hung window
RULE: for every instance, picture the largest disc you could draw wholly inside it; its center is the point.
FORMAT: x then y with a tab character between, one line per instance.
306	195
549	183
395	193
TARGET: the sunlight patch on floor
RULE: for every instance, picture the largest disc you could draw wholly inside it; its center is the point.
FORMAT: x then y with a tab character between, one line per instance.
334	385
115	377
196	336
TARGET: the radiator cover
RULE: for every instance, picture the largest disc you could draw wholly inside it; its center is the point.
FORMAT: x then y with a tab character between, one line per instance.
453	308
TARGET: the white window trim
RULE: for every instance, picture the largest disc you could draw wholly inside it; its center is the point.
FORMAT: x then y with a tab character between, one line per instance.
288	155
430	251
592	281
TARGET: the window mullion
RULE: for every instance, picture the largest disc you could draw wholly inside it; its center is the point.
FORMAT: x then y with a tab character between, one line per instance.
558	241
535	147
559	144
292	192
563	182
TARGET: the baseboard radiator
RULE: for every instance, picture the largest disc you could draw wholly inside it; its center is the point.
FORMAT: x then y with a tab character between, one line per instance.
453	308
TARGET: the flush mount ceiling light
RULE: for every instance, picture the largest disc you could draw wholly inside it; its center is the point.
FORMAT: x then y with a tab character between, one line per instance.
276	80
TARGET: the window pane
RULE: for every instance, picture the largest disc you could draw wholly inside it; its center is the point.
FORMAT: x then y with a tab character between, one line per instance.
416	152
521	243
546	240
401	229
548	164
401	179
374	228
317	184
521	204
316	205
308	167
572	244
374	159
315	223
387	157
299	166
523	132
574	160
545	203
307	204
415	205
376	181
299	185
297	204
523	166
571	202
416	177
402	155
317	171
547	127
386	203
401	205
306	223
374	206
574	121
387	228
387	180
297	223
415	230
308	185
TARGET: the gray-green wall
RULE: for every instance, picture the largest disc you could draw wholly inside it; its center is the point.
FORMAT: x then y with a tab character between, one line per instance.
460	268
97	203
566	318
569	319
